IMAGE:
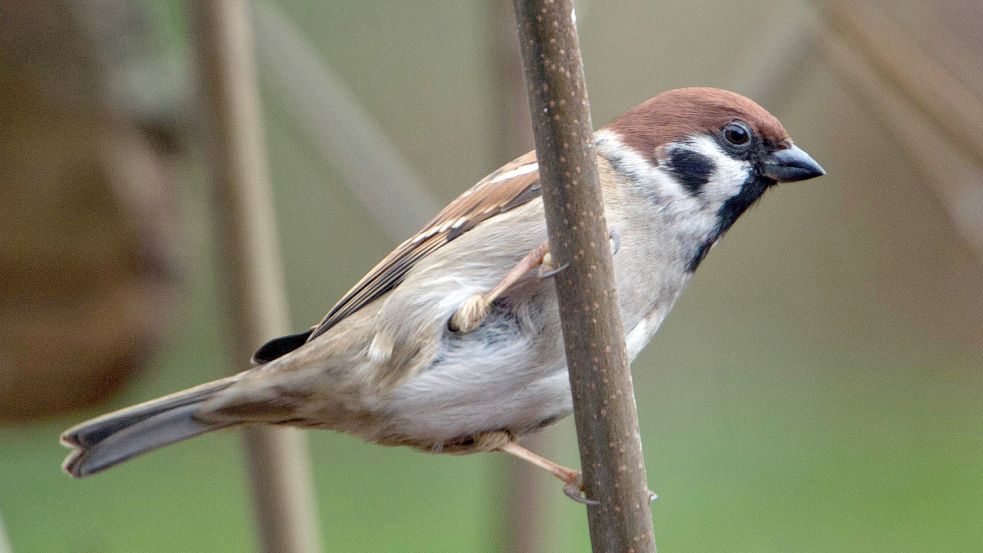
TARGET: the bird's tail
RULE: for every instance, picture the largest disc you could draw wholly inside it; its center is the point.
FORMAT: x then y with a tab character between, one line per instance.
111	439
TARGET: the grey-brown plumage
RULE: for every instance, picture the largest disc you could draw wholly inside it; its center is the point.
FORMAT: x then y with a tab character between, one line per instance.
103	442
386	365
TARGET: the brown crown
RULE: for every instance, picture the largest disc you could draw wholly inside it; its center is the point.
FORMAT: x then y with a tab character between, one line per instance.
675	114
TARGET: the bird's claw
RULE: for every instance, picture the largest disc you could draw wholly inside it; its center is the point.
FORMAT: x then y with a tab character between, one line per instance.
549	273
547	269
615	237
575	491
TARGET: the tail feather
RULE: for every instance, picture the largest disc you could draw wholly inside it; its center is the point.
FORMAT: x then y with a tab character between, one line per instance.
111	439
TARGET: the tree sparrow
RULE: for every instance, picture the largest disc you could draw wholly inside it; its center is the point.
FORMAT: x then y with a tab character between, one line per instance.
452	342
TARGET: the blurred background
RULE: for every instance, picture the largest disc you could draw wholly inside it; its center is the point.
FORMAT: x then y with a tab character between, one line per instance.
817	388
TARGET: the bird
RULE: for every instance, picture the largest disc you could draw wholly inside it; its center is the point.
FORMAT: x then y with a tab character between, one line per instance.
452	343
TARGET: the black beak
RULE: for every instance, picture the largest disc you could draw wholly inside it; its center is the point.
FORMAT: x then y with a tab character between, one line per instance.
790	165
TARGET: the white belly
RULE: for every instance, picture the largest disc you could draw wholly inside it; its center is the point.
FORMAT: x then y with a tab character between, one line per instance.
492	379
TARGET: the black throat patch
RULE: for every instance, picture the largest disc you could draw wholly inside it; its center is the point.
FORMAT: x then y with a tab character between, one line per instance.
750	192
692	168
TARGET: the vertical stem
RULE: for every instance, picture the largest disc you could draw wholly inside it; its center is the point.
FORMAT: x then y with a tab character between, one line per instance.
244	226
5	546
603	399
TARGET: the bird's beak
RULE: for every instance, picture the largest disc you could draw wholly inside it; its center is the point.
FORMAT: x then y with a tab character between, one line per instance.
790	165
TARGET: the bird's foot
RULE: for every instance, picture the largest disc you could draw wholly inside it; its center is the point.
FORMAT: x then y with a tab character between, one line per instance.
547	269
574	489
474	310
573	480
469	316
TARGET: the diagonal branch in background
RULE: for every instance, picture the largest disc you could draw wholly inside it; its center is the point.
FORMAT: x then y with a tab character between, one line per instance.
773	74
593	335
345	133
953	175
278	464
923	106
927	85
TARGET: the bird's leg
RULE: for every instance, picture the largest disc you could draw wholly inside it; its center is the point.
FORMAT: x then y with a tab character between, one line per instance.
547	270
572	479
475	309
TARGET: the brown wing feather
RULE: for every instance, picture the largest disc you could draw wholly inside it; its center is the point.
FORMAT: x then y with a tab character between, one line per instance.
510	186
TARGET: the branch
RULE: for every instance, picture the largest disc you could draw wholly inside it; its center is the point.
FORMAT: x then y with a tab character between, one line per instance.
278	463
347	136
954	177
603	399
4	542
929	86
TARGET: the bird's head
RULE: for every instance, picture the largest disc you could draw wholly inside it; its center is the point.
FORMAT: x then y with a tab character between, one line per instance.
707	155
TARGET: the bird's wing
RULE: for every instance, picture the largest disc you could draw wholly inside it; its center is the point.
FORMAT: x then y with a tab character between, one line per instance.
512	185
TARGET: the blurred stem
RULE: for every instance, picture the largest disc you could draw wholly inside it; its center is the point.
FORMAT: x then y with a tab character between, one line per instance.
928	86
954	177
593	334
245	230
774	73
346	134
5	546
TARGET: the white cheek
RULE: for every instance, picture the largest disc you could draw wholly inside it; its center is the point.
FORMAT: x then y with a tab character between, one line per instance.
652	177
728	177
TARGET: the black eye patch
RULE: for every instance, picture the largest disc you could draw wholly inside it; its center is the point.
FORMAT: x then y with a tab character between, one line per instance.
692	168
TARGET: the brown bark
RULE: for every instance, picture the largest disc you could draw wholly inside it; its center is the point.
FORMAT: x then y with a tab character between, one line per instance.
604	404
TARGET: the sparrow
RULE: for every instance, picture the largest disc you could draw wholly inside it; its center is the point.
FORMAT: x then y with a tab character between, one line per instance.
452	342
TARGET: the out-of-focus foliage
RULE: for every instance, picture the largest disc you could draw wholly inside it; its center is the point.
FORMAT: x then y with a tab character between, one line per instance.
88	261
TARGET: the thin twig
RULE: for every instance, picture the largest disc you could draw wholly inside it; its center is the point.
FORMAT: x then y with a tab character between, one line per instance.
603	398
245	230
953	175
931	88
773	75
348	137
5	546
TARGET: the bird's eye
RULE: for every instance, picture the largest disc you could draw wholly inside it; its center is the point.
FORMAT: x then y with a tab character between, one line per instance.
737	133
